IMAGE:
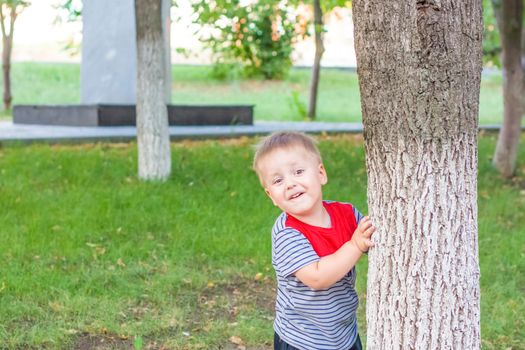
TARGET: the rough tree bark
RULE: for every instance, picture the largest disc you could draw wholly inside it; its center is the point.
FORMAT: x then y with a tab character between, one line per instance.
153	140
316	68
419	69
509	17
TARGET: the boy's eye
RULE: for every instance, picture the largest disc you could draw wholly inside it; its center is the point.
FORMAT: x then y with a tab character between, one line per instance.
277	181
299	171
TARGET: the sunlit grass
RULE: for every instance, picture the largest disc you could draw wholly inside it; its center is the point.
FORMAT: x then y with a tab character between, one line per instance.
88	249
338	100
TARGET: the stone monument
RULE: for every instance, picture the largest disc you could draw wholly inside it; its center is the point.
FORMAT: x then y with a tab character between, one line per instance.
109	52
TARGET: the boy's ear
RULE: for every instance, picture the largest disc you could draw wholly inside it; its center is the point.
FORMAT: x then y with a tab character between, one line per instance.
269	195
322	174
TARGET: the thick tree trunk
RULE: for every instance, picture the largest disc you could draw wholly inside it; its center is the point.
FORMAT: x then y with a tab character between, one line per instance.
510	26
154	156
316	68
419	68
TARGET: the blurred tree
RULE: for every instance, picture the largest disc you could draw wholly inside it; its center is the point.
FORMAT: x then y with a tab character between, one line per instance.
9	11
509	17
491	37
319	8
153	139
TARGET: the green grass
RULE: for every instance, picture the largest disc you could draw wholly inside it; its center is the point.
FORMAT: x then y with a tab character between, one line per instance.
88	251
338	101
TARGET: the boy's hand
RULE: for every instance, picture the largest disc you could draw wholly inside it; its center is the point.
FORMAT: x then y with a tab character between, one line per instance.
363	232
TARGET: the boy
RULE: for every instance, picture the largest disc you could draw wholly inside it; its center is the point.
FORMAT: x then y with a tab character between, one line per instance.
315	246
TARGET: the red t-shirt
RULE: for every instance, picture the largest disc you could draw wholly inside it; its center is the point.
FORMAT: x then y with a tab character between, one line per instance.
326	241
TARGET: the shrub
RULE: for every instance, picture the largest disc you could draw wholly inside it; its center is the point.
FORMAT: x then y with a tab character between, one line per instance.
253	37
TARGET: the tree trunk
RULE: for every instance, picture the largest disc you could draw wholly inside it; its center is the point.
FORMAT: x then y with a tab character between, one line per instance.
6	70
510	27
419	69
153	140
7	41
523	70
316	68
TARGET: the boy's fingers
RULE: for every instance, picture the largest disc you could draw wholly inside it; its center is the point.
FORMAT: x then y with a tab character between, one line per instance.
365	224
369	231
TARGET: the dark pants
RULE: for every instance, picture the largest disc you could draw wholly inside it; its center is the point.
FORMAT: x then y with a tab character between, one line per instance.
279	344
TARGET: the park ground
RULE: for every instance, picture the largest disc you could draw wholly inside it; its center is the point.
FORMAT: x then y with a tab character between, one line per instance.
92	258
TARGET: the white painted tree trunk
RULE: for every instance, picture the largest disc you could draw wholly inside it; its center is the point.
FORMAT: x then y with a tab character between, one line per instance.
154	156
419	68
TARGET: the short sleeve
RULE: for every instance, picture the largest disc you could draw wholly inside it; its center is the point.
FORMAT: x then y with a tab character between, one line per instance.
358	216
291	251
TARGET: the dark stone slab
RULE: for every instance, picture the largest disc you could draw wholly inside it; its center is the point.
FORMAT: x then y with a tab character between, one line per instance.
56	115
210	115
124	115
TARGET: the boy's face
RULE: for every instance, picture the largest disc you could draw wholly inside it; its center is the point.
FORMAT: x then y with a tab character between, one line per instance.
292	177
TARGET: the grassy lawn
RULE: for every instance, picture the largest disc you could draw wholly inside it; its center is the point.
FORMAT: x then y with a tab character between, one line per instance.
338	101
92	257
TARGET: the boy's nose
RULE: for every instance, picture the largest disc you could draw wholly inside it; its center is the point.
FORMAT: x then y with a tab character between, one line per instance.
290	184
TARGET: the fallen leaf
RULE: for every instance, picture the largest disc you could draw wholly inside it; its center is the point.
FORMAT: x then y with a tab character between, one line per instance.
236	340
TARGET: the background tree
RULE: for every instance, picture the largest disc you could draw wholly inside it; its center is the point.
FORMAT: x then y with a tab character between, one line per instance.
154	154
319	8
419	66
9	11
319	50
509	18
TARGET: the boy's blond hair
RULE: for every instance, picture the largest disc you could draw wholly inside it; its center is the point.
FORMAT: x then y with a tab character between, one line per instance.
284	139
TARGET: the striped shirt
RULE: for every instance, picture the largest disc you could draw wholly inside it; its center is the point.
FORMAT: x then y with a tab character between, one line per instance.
305	318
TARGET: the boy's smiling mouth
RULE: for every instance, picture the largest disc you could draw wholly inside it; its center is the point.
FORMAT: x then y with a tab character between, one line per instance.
297	195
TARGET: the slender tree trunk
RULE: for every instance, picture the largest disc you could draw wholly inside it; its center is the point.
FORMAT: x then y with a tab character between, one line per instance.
523	70
6	70
419	69
316	68
7	44
510	26
153	140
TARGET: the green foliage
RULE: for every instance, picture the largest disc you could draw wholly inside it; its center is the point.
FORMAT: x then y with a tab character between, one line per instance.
329	5
491	39
14	3
138	343
298	105
69	10
253	37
